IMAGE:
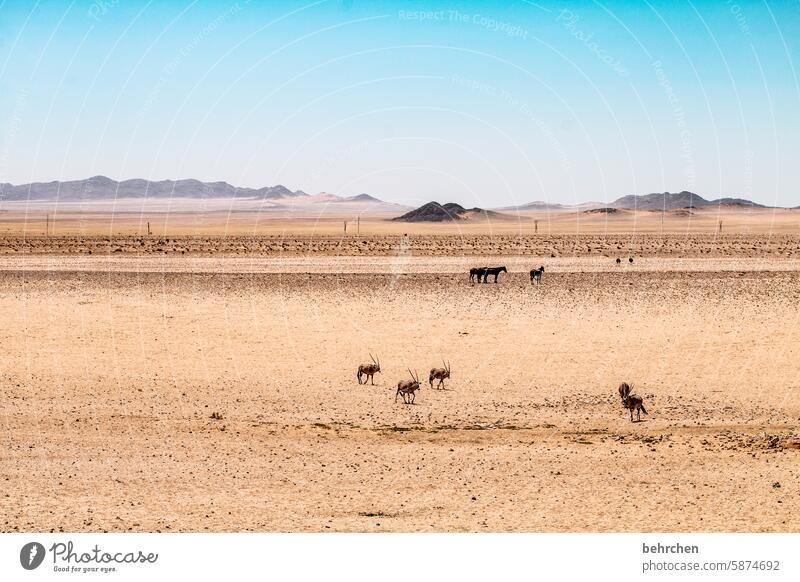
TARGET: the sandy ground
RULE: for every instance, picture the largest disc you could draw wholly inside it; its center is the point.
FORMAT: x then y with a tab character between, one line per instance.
112	366
484	247
131	219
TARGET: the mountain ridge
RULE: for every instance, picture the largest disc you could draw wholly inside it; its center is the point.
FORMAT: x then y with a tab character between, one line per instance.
99	188
652	201
675	200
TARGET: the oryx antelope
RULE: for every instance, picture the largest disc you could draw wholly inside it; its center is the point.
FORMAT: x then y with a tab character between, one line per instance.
439	374
537	275
633	402
624	390
408	389
369	370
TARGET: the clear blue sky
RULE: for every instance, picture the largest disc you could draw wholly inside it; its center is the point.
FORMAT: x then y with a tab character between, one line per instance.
484	103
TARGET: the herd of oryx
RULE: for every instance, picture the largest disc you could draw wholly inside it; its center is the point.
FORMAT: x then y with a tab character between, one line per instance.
405	388
408	388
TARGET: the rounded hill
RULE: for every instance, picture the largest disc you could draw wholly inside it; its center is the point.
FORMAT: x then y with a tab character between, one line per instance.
450	212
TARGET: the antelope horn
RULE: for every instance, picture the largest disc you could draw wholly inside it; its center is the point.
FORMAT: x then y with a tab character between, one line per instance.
373	359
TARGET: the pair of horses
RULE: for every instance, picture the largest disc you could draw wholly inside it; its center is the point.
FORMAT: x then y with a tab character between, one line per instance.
482	273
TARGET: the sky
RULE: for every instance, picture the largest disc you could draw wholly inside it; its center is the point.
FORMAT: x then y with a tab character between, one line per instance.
481	103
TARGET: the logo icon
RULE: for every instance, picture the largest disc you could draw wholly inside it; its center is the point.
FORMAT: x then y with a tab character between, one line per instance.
31	555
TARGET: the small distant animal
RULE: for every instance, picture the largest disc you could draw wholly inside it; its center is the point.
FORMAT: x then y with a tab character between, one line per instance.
619	261
476	272
439	374
537	275
369	370
408	389
493	271
630	260
633	402
624	390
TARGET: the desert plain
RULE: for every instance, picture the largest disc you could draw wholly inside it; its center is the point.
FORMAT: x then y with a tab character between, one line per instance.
203	377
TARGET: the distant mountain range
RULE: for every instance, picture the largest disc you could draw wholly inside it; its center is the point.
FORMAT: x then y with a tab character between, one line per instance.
541	206
675	202
655	201
102	188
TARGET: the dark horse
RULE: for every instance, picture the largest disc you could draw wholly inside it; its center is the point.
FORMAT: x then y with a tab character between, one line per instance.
493	271
478	272
537	274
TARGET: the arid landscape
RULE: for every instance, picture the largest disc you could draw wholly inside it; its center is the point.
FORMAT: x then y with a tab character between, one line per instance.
203	377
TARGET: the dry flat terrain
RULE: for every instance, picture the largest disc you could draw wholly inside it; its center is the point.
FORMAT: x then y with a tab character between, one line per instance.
113	364
217	219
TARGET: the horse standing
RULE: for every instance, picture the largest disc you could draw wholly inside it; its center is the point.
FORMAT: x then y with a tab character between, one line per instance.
493	271
476	272
537	275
